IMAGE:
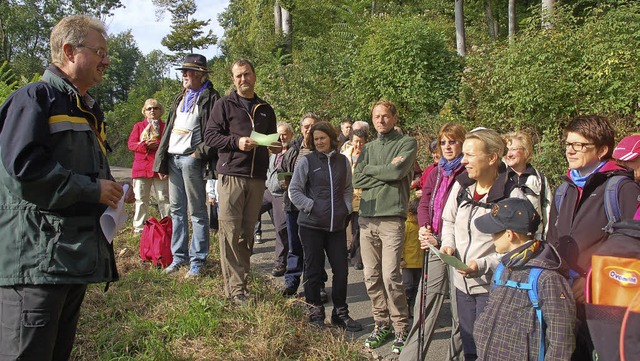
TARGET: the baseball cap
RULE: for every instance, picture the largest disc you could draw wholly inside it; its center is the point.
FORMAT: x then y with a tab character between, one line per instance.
628	148
515	214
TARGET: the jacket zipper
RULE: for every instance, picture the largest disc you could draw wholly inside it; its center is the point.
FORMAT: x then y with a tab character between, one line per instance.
331	191
251	116
466	251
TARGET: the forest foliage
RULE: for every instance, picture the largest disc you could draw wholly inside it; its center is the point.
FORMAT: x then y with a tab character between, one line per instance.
338	57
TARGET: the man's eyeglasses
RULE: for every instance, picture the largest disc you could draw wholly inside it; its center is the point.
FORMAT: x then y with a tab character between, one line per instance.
577	146
99	52
152	108
450	142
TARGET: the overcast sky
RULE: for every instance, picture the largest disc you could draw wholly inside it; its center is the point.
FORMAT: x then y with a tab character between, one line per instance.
140	17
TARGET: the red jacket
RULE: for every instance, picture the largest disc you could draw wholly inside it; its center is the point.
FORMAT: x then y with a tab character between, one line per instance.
142	157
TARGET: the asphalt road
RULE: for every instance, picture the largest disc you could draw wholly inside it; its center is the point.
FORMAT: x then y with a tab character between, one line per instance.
359	304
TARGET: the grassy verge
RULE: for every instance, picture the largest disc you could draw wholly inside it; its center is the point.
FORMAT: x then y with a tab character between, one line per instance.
151	316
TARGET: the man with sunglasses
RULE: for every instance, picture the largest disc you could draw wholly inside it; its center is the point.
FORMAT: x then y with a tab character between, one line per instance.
184	157
55	183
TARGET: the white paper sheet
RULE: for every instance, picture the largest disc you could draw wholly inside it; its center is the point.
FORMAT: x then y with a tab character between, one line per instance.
113	219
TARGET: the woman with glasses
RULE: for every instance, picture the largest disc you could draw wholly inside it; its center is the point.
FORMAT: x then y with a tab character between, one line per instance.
435	193
521	174
576	224
143	141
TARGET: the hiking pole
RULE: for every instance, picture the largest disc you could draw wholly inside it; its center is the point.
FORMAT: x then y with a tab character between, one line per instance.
423	296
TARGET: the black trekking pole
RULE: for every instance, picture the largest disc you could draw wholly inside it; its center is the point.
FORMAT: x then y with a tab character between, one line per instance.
423	296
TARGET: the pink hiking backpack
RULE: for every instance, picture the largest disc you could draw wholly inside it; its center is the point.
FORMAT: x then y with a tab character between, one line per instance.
155	242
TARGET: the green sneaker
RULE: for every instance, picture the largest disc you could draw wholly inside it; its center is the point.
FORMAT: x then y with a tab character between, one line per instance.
397	346
380	333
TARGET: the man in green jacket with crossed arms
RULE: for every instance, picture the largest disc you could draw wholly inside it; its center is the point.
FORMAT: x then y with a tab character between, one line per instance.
384	171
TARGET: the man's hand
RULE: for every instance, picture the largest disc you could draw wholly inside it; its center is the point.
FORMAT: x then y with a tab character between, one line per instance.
397	160
276	147
212	201
426	237
130	197
246	144
110	193
163	176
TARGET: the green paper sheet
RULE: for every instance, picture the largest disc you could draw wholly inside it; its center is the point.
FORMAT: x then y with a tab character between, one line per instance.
264	139
450	260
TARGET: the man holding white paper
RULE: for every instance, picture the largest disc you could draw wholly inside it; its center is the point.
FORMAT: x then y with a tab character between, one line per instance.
242	172
55	182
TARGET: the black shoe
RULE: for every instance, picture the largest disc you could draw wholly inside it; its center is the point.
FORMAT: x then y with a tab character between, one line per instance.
324	297
358	266
346	323
289	291
317	322
278	270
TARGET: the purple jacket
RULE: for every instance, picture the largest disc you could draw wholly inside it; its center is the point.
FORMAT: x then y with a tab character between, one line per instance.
429	194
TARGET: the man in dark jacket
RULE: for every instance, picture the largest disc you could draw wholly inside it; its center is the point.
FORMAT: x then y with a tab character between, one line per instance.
55	183
184	156
242	172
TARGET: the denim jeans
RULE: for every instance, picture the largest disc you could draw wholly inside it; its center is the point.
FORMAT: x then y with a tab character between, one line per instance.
187	189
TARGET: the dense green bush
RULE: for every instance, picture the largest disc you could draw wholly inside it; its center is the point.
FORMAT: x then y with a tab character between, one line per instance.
406	60
585	65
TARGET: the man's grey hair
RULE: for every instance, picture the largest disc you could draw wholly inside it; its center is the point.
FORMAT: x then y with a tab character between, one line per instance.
284	124
309	115
72	30
359	124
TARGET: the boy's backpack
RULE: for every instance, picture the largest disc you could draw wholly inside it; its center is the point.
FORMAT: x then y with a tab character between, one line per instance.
155	242
611	205
613	295
532	291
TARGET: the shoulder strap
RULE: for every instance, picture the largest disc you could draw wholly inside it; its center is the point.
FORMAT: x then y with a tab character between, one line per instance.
497	274
611	204
532	291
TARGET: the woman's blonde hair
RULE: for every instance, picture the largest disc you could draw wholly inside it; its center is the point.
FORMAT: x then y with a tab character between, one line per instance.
526	141
152	102
493	143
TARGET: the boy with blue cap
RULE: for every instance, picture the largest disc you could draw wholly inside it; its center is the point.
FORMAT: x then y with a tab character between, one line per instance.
511	326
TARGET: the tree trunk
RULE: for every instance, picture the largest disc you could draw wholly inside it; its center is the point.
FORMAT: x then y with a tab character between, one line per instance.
461	38
492	24
286	27
512	20
277	18
547	13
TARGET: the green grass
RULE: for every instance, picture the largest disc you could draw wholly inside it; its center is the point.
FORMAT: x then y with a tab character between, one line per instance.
147	315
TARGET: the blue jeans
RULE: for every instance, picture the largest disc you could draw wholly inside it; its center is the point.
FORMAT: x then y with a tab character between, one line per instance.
295	260
187	188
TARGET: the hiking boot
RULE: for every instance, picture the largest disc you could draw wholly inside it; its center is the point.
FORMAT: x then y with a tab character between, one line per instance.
173	268
317	322
194	272
240	300
278	270
324	297
380	333
346	323
398	344
289	291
